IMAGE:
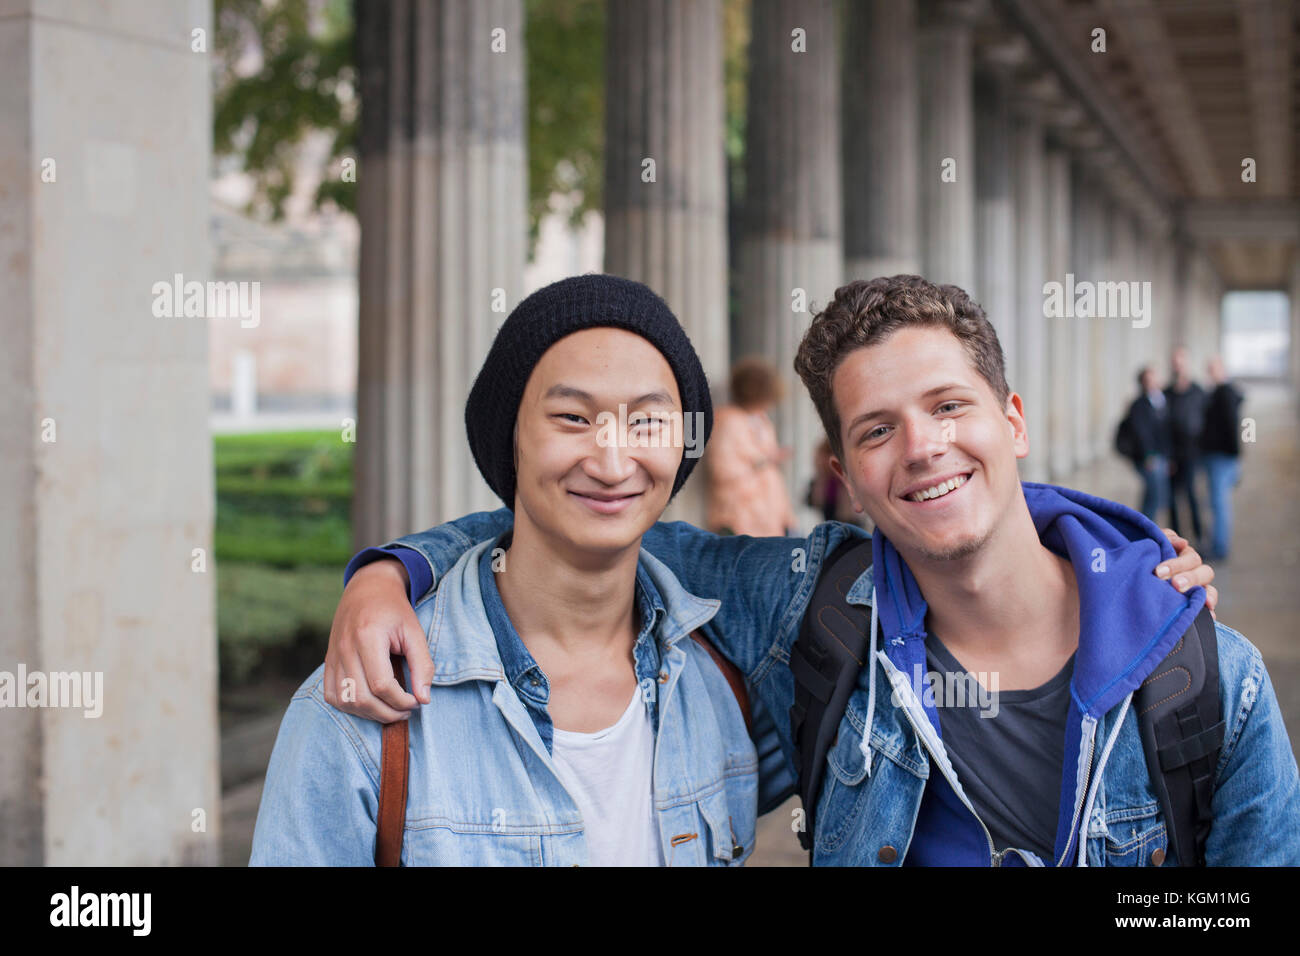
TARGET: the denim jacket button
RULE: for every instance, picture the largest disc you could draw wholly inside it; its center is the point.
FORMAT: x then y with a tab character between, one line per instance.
887	854
1157	857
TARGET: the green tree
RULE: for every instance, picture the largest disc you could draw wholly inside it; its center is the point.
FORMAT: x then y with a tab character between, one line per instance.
283	69
287	67
566	106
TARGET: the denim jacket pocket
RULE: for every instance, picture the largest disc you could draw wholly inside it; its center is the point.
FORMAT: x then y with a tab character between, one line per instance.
434	841
730	842
709	831
868	808
839	804
1135	836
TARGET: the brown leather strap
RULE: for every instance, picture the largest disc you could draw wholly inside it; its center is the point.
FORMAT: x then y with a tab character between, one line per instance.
733	676
393	768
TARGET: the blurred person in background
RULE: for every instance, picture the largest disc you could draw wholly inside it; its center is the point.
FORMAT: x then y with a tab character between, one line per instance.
1186	401
747	491
1220	450
1144	439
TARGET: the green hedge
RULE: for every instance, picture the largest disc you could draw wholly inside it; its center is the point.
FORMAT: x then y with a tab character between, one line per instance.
283	534
270	620
284	499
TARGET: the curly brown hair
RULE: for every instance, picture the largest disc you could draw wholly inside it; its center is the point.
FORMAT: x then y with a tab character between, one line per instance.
865	313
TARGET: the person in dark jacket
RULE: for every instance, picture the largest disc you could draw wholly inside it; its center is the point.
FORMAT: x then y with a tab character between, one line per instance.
1148	417
1186	402
1220	450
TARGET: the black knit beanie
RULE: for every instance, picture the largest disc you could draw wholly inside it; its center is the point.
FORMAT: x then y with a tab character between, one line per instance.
541	320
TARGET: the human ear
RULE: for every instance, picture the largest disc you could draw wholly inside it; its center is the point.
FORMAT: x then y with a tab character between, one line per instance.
838	469
1015	412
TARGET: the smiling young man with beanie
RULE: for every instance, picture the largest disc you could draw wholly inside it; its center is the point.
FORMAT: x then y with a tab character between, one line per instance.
572	719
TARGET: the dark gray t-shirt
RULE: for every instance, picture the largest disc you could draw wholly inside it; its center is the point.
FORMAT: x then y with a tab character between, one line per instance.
1007	749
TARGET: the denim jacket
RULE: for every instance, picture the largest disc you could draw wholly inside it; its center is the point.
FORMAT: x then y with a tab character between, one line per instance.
897	800
483	788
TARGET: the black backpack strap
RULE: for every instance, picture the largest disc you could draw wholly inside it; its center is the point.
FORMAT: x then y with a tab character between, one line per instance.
1180	718
825	660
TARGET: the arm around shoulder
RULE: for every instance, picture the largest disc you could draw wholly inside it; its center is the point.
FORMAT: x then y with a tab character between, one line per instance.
443	546
763	583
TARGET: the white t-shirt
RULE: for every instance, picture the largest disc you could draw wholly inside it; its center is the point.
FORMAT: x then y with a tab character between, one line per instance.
609	775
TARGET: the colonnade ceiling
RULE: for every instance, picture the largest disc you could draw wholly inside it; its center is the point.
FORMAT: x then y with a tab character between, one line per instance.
1189	90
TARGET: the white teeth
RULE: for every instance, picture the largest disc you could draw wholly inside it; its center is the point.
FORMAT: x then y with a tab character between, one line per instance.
939	490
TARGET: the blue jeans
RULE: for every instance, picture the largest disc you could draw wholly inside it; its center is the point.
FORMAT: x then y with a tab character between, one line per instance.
1223	471
1155	486
1182	484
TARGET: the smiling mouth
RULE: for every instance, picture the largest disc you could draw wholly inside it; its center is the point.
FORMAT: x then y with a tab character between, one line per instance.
940	490
606	505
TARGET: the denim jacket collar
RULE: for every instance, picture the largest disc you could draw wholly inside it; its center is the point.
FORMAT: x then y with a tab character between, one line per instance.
463	644
860	592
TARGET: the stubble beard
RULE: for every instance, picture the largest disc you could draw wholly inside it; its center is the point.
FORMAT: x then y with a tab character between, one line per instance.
958	552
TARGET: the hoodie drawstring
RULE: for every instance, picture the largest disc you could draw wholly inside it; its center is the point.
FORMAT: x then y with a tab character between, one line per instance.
1096	781
865	746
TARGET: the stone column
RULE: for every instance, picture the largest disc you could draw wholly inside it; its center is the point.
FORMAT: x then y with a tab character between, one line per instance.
110	756
1082	237
995	226
1161	260
442	204
1142	269
1129	346
1031	268
1146	268
1204	322
881	134
667	226
1061	330
1294	293
664	102
1211	331
948	142
791	244
1113	382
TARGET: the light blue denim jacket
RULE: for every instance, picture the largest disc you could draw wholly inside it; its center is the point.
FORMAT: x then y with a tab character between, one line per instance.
483	787
872	812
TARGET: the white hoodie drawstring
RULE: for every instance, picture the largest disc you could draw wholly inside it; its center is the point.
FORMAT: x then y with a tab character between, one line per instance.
865	746
1096	781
